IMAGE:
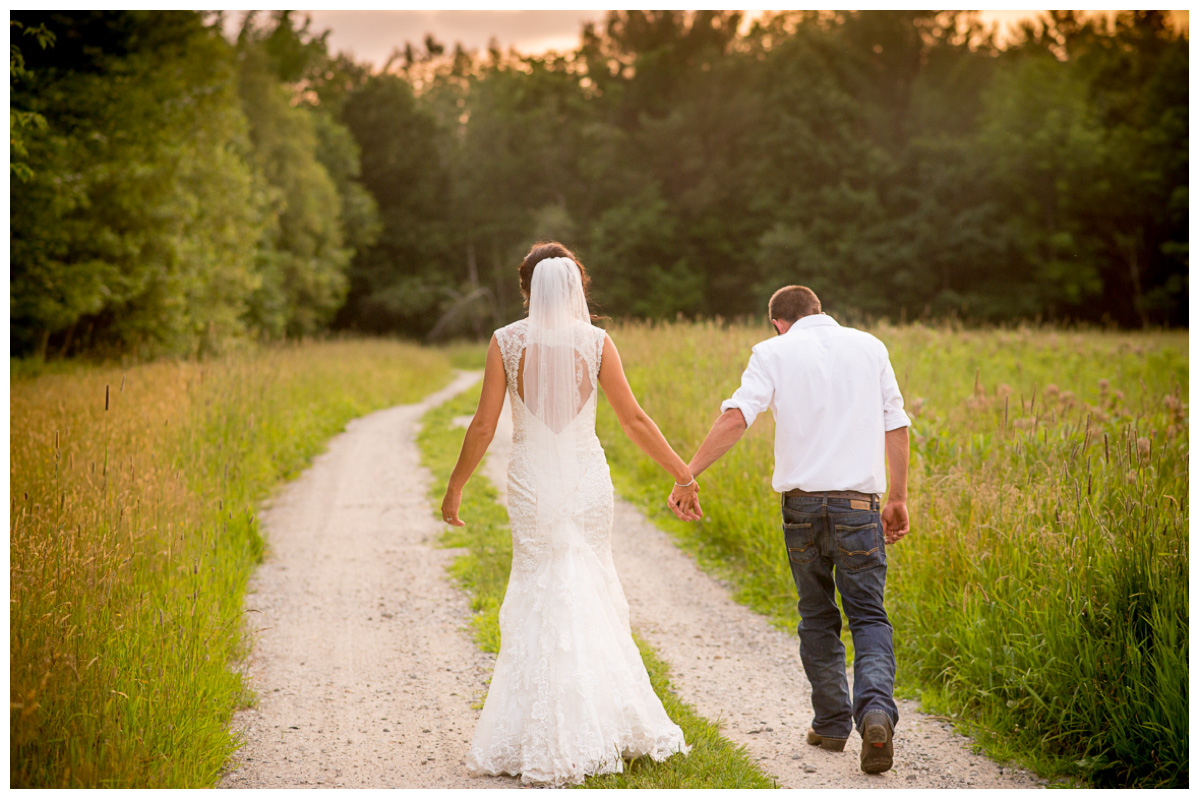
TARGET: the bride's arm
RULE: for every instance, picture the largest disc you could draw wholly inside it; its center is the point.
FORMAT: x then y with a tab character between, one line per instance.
479	433
640	428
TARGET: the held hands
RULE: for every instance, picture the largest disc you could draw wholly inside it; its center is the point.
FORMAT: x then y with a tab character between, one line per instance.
895	521
685	501
450	504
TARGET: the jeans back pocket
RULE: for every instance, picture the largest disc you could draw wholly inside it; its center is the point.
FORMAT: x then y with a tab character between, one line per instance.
859	546
801	543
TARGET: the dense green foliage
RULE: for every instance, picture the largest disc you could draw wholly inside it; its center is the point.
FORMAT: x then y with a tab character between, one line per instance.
713	763
22	123
171	196
1042	596
900	163
134	533
175	191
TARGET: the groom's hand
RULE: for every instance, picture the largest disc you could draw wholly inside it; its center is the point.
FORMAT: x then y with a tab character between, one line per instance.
895	521
685	502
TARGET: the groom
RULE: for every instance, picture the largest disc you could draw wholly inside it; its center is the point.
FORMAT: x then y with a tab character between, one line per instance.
837	409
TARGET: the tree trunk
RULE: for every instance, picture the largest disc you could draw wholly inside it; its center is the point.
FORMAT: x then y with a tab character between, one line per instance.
473	277
62	351
472	269
1130	245
501	286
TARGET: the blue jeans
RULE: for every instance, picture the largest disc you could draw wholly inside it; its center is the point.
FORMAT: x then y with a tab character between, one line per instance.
830	543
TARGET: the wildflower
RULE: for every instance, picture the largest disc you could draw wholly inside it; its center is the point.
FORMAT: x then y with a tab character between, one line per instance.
1143	445
1103	386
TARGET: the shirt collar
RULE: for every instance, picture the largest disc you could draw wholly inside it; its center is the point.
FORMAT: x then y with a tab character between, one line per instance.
813	321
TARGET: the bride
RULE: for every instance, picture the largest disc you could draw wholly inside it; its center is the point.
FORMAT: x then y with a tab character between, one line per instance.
569	695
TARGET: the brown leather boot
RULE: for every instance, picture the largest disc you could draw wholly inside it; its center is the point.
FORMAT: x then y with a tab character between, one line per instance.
877	742
825	742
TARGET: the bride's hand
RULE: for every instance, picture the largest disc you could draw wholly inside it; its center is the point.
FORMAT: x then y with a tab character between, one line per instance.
685	502
450	504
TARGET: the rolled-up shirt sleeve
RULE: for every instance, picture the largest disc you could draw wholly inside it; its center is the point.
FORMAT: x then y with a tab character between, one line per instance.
754	395
893	403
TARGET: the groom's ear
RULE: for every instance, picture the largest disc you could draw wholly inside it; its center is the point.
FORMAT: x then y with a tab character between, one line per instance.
781	326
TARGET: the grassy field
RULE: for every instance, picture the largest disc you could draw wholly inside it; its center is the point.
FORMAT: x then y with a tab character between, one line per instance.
713	763
133	493
1042	597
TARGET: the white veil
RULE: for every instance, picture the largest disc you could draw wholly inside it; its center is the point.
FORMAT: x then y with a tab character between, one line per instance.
557	384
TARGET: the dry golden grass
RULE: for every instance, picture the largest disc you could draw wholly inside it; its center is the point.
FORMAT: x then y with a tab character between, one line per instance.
132	536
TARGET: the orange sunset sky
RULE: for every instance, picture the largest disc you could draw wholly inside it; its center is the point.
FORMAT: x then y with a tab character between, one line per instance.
372	35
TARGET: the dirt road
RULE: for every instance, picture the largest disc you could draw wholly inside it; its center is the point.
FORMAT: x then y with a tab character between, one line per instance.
367	678
364	675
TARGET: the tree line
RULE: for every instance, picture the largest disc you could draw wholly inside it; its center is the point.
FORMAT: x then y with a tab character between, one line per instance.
176	189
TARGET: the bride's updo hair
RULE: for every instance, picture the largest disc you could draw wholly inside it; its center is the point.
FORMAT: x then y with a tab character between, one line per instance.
544	250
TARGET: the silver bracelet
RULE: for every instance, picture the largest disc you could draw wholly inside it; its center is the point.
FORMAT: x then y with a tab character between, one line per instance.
685	485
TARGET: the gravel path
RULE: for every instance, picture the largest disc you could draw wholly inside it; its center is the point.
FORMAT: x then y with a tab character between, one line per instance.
366	676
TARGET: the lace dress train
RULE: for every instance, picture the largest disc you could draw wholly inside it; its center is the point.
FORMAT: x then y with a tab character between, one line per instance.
569	696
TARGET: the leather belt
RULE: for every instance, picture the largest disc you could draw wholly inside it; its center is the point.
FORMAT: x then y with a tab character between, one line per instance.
844	495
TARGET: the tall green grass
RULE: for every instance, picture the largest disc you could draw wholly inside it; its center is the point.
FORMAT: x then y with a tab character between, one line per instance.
132	537
1042	596
713	763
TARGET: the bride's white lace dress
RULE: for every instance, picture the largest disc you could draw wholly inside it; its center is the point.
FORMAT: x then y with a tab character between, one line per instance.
569	696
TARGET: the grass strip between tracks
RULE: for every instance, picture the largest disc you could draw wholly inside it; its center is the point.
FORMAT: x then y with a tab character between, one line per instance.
482	571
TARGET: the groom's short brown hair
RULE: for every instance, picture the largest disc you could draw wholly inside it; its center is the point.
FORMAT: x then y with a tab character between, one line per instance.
793	302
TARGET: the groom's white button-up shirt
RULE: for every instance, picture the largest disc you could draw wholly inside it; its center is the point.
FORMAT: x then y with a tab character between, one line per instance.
834	394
